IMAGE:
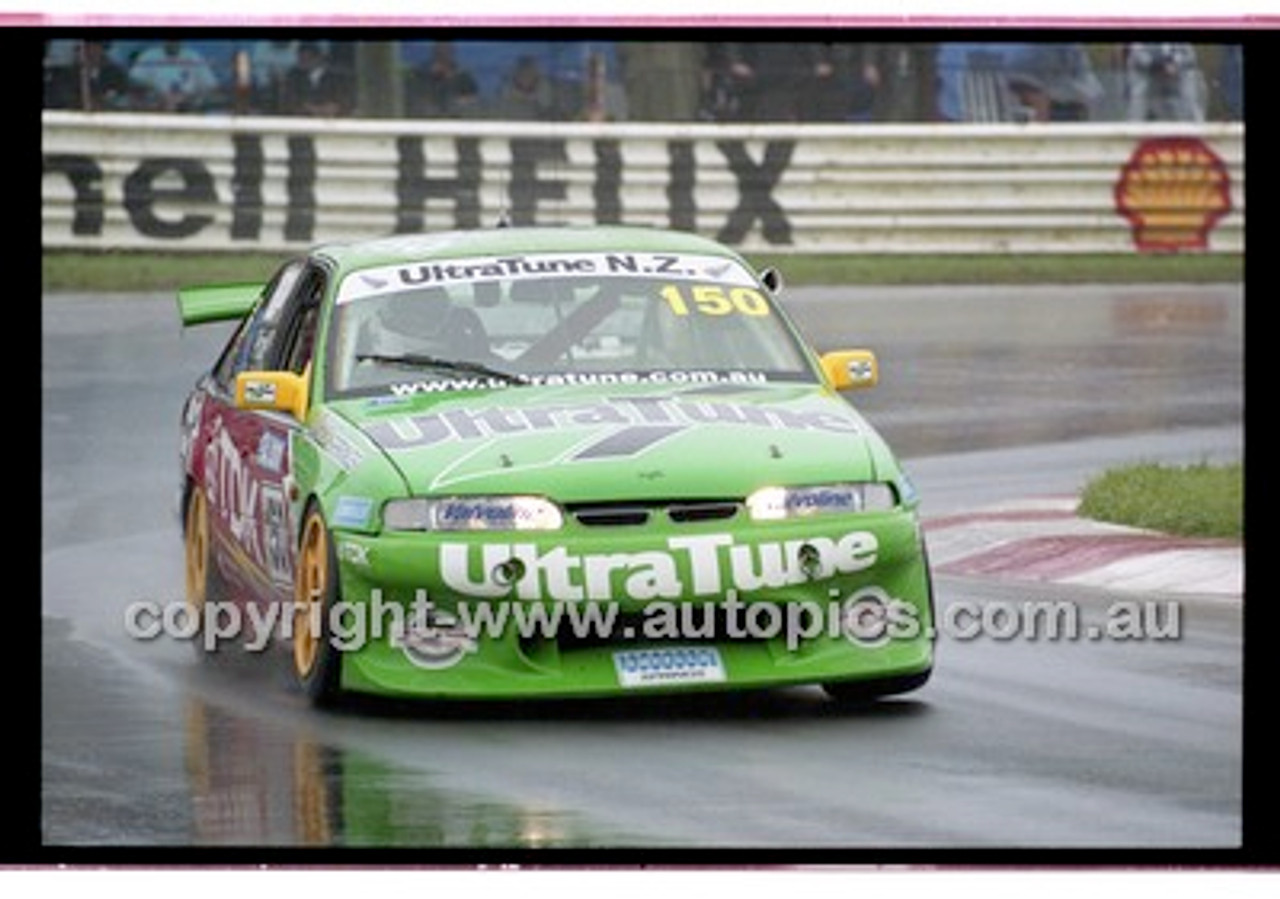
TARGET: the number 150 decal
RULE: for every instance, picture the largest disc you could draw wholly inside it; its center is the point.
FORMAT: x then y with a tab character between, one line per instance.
714	299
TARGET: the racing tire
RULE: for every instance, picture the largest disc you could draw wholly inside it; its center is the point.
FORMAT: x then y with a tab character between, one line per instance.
860	691
203	585
317	663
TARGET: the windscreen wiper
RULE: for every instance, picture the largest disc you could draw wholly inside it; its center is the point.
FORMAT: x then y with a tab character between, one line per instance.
418	360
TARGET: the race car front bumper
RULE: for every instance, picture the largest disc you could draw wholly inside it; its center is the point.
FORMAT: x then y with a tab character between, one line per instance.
584	614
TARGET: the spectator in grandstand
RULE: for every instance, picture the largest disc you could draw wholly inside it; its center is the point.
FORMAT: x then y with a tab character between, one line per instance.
440	87
718	99
88	80
1001	82
172	77
316	87
269	63
662	79
602	99
841	85
862	82
897	73
767	79
1055	82
954	65
830	89
1164	83
526	94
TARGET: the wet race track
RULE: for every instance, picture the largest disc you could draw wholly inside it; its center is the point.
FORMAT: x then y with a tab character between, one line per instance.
988	395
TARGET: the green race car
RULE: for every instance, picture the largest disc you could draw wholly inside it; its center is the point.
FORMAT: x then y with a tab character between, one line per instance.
544	462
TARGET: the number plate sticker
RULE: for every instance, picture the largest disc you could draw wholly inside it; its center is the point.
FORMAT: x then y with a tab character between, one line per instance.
667	666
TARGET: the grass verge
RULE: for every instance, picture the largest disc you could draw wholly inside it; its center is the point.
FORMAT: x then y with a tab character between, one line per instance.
1199	500
65	270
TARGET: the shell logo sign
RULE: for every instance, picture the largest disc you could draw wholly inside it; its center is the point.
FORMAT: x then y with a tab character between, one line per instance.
1173	191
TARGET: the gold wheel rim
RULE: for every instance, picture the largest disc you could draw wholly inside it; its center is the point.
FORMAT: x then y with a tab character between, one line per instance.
310	587
197	552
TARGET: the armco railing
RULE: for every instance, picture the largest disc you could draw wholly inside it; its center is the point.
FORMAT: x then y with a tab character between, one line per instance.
120	181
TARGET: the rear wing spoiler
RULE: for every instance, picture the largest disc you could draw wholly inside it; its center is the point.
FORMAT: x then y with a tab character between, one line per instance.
217	302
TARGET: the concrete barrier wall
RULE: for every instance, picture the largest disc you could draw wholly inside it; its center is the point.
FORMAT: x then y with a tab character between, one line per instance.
118	181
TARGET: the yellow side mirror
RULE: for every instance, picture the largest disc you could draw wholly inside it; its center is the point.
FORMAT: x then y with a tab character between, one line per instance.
282	391
851	369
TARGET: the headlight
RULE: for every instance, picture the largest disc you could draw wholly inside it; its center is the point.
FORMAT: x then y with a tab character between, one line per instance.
778	503
472	513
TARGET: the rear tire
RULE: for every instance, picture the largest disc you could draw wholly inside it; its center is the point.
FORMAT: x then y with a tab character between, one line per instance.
202	582
317	663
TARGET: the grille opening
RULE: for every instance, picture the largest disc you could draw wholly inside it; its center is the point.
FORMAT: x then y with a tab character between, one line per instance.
609	514
716	510
615	514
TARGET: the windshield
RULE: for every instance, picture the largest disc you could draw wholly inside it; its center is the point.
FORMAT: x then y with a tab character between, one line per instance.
557	319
